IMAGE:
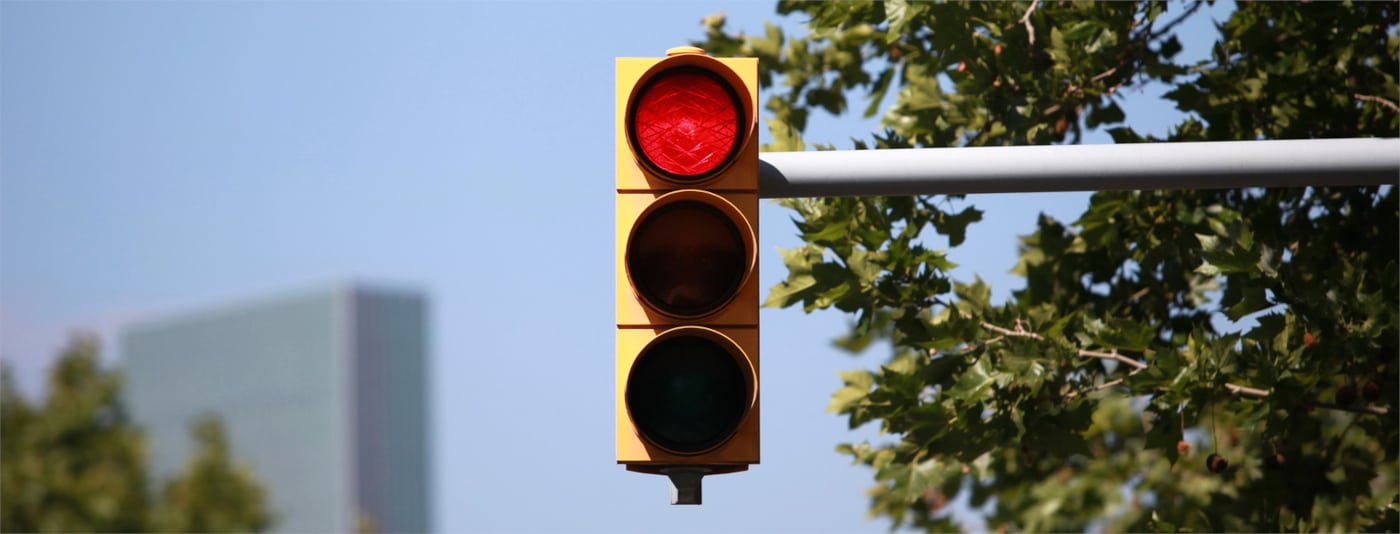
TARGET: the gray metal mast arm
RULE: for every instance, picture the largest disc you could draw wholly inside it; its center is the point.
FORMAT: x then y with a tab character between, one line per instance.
1025	169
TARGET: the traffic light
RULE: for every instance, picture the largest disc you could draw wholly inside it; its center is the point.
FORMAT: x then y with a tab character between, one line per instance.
687	266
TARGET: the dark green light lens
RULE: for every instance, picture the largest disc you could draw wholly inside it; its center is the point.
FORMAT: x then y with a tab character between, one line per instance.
687	394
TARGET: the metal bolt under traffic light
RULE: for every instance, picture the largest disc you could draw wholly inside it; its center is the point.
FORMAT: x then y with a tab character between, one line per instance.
686	267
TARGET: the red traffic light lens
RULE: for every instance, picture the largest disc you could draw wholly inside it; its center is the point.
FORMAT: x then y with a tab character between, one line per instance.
686	258
686	123
687	394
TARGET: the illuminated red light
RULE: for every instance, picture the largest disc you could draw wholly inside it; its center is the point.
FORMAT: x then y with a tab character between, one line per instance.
685	123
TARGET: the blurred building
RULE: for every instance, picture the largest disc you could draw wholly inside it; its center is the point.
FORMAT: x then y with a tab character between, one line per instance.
323	394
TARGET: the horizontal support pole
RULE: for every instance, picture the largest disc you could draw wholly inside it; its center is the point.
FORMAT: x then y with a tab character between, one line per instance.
1028	169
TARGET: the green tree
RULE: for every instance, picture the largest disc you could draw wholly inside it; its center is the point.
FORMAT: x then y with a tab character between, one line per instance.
1103	394
76	463
214	494
72	463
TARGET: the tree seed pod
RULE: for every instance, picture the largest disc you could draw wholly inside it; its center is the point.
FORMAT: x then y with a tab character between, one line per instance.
1216	463
1346	394
1371	390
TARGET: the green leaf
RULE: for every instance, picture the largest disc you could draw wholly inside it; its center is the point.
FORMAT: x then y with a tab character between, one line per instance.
1169	362
1080	31
1254	299
786	138
1165	432
1224	259
877	92
829	231
1171	47
1123	334
975	383
800	284
896	12
1124	134
955	225
853	394
1109	114
790	291
866	265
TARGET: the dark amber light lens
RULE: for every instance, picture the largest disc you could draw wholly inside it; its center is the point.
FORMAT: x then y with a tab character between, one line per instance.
686	258
686	123
687	394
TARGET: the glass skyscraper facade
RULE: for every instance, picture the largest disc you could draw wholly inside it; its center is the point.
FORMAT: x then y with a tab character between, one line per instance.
323	395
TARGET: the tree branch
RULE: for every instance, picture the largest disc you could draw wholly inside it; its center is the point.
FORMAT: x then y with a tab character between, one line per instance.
1104	74
1018	332
1174	22
1246	391
1368	98
1137	365
1140	293
1105	385
1234	389
1370	409
1026	20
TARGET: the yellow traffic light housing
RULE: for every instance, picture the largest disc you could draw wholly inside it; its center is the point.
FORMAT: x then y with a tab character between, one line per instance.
687	390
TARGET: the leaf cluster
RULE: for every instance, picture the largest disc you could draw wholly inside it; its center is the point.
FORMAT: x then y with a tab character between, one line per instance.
76	463
1093	397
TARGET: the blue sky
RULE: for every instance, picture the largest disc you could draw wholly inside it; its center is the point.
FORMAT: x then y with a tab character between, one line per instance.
161	157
